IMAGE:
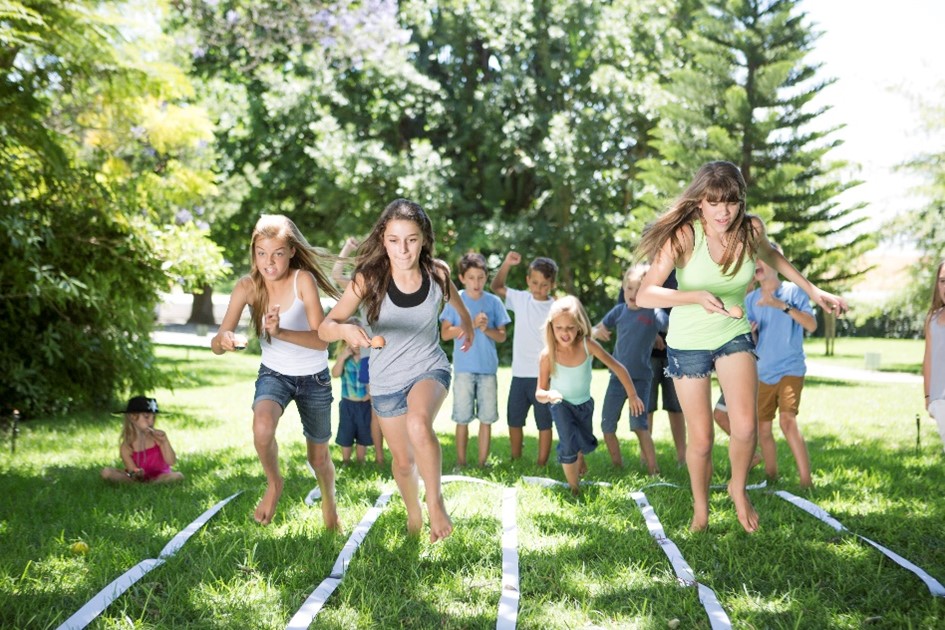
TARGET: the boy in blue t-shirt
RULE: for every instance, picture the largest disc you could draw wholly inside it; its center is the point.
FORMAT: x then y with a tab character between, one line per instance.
531	309
636	329
475	385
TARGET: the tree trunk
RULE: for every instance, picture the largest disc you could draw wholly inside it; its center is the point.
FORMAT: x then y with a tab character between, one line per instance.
202	310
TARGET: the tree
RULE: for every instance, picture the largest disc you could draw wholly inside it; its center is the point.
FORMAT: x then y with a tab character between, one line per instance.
744	93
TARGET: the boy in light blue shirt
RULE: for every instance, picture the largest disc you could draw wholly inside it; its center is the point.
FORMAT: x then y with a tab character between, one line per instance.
475	385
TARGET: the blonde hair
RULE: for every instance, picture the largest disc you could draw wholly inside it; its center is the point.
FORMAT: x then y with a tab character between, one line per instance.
714	182
936	302
306	257
129	431
635	272
567	305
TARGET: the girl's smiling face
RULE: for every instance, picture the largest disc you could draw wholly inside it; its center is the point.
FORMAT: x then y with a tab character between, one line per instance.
403	241
565	329
272	256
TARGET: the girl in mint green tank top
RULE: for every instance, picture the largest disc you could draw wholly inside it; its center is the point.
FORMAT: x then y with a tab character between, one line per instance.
564	380
707	236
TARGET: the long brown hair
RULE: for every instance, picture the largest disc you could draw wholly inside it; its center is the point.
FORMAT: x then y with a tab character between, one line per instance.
936	301
565	305
374	265
714	182
306	257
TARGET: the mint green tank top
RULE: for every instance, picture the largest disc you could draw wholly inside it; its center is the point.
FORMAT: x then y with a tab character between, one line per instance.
690	326
574	383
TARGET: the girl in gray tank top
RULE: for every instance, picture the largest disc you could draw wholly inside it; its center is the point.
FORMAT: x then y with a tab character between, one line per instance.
401	288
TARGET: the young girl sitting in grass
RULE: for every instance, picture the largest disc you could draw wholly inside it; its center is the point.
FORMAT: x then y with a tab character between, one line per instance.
564	380
145	451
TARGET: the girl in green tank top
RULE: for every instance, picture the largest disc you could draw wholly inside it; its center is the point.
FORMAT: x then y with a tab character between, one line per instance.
712	243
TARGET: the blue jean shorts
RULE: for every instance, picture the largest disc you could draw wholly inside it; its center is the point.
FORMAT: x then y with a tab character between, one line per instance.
521	397
312	396
475	396
701	363
614	400
575	425
393	405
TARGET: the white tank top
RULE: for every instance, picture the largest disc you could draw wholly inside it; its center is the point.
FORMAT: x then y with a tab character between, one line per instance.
288	358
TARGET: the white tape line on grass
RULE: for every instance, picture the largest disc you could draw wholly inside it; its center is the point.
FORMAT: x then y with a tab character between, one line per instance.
545	482
717	617
303	618
935	587
95	606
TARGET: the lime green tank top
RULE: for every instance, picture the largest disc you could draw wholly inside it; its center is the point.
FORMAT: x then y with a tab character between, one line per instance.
690	326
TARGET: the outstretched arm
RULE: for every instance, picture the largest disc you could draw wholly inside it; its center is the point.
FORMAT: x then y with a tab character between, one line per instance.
224	340
333	327
498	283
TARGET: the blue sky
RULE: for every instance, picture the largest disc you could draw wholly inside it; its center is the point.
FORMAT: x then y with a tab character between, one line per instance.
884	56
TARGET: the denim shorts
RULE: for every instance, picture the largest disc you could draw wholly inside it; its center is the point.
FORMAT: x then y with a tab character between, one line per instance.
354	423
614	400
701	363
312	396
475	396
393	405
664	384
575	425
521	397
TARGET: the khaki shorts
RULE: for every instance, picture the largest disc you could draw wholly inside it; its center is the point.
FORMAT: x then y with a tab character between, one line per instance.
784	395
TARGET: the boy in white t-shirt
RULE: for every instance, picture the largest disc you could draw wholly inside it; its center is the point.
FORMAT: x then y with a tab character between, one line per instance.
531	310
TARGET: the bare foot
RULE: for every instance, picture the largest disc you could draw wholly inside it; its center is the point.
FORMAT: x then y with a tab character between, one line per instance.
582	468
655	472
698	524
440	524
755	460
267	505
745	510
330	516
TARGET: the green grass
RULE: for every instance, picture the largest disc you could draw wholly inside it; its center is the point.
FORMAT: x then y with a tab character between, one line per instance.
896	355
586	562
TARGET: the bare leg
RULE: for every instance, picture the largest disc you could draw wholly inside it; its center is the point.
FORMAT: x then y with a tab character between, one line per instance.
792	434
170	477
485	441
462	441
648	451
613	447
677	424
404	470
345	454
738	377
360	453
378	438
115	475
320	459
694	398
769	449
423	402
581	464
544	446
516	440
265	420
572	475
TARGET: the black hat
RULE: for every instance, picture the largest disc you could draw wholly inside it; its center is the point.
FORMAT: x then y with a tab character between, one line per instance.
141	404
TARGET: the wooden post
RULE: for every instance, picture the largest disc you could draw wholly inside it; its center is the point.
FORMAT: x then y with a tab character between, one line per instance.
830	332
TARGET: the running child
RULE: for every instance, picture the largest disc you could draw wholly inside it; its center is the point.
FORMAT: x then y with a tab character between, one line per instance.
564	382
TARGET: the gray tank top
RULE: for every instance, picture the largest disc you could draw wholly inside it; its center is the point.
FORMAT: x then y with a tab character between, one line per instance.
412	340
937	371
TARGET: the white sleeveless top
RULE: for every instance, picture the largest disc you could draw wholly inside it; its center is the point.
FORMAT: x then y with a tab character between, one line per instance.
288	358
937	371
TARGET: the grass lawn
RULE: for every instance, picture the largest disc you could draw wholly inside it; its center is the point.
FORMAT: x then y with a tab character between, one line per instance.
585	563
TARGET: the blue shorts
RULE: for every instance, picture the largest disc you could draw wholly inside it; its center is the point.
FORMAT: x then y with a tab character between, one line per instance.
393	405
665	383
701	363
614	400
475	396
521	397
312	396
354	423
575	425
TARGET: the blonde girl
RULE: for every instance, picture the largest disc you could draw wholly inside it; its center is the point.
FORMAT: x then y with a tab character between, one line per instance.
402	288
145	451
564	381
712	243
933	364
283	291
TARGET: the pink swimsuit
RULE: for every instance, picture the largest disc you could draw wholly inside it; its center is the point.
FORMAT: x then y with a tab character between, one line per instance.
151	462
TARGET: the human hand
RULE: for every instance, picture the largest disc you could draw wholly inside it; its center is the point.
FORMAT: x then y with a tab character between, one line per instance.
600	332
712	304
158	435
481	321
467	336
350	245
513	258
830	303
354	337
272	321
554	397
636	403
659	343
